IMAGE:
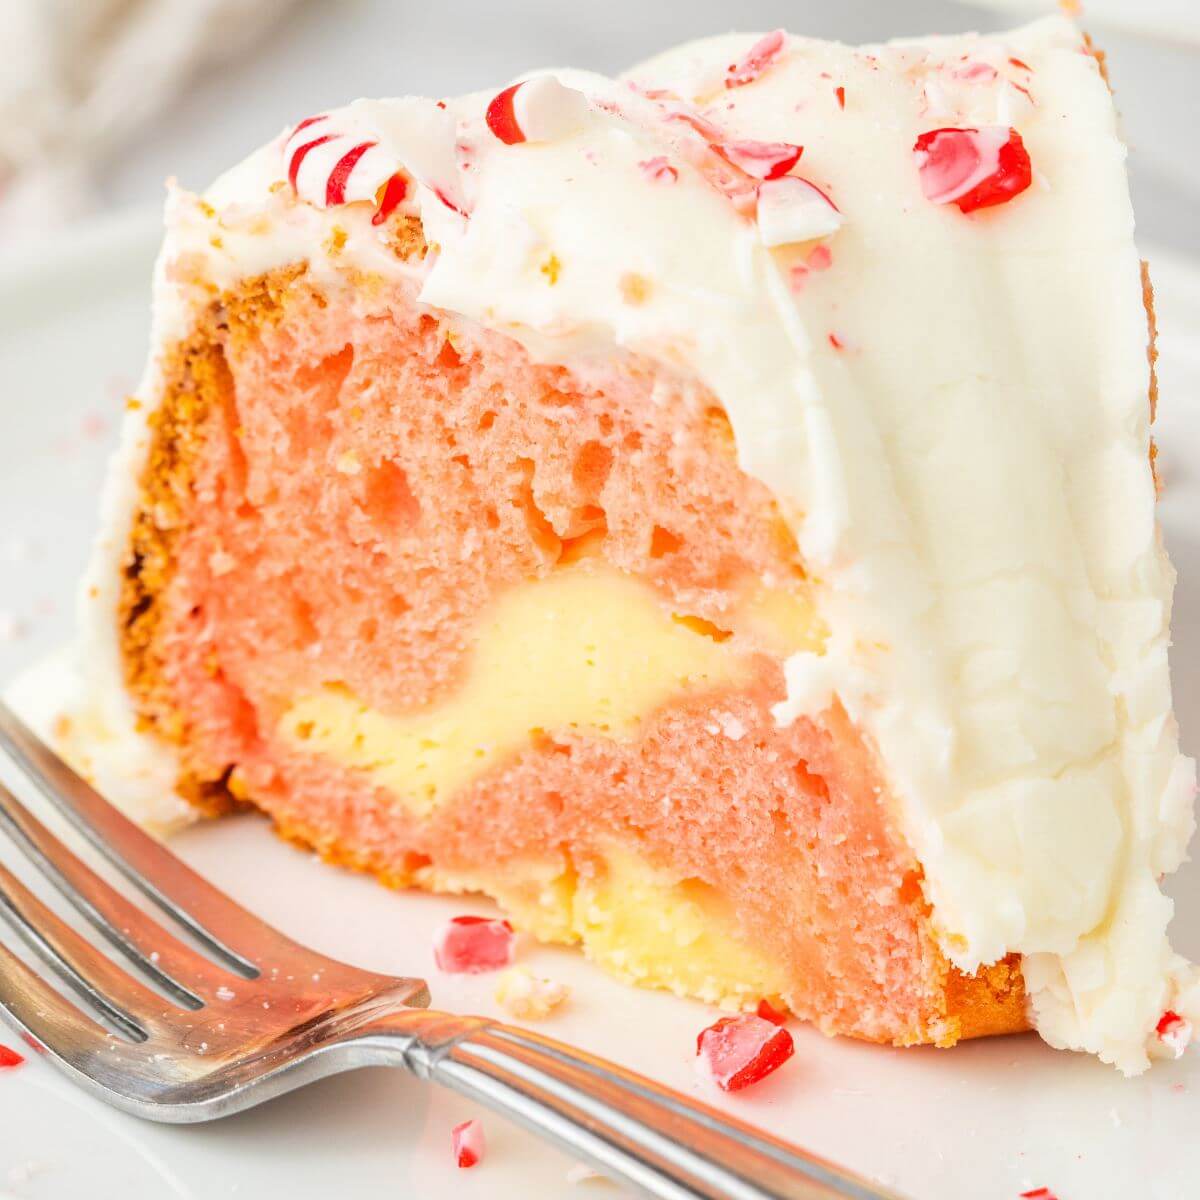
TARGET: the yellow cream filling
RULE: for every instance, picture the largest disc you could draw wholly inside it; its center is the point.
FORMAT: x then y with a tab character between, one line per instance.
587	649
636	920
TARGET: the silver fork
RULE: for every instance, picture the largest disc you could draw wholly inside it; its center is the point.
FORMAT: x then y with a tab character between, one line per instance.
258	1015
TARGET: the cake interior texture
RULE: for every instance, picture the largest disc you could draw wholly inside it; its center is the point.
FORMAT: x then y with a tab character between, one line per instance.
468	623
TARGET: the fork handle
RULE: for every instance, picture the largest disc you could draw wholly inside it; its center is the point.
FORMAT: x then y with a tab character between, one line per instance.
627	1126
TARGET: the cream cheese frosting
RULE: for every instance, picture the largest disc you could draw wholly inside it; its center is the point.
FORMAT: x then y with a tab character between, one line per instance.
951	408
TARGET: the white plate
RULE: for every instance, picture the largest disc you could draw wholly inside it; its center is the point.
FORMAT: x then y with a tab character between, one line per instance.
984	1121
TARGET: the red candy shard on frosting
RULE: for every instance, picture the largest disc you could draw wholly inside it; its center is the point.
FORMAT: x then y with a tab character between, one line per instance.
502	118
761	160
394	192
1174	1032
309	121
335	186
10	1058
301	152
756	60
739	1051
972	168
536	110
1041	1193
469	1143
471	945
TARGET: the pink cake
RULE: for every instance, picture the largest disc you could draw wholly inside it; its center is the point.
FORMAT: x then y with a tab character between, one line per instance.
709	512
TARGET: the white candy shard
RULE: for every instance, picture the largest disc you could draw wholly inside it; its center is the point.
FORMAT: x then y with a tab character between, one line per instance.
546	111
793	210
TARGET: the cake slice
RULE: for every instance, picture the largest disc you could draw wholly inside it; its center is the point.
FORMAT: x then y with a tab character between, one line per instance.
710	512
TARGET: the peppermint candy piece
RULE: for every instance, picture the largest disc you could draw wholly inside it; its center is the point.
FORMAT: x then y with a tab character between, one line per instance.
468	1142
739	1051
370	151
538	110
756	60
972	168
794	210
1174	1032
472	945
761	160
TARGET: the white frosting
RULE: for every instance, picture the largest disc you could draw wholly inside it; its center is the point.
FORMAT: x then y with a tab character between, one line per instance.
951	409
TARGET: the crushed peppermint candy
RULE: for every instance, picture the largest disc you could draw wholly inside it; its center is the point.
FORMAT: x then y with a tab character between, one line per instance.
343	157
769	1012
537	110
1174	1032
469	1143
739	1051
296	161
1039	1193
760	160
976	72
972	168
472	945
527	996
794	210
756	60
389	197
9	1057
335	185
658	169
582	1173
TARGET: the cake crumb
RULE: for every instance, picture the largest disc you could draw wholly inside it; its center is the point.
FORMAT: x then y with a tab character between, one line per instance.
347	463
582	1173
527	996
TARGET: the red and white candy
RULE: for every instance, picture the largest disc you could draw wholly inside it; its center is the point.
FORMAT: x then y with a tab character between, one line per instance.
469	1143
760	160
756	60
370	152
538	110
769	1012
472	945
972	168
793	210
1174	1033
739	1051
10	1058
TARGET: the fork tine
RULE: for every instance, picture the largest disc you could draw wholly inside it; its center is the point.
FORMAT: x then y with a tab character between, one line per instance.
215	920
111	990
187	975
54	1022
